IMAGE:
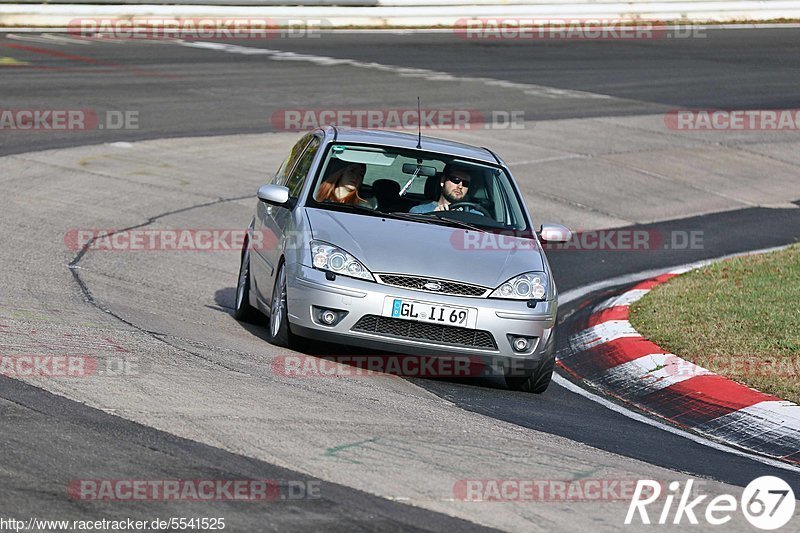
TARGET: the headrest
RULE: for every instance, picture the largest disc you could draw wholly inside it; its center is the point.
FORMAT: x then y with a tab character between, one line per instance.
477	188
433	186
335	165
384	188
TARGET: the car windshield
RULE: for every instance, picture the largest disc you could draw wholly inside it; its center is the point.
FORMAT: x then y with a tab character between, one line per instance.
417	185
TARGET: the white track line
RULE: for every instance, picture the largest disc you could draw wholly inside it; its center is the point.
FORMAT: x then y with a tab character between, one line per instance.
64	39
558	379
30	38
580	292
426	74
623	300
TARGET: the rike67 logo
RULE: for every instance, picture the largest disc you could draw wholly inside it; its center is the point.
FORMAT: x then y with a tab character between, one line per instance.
768	503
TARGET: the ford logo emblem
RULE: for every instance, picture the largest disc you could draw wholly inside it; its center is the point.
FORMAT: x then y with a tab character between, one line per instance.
432	286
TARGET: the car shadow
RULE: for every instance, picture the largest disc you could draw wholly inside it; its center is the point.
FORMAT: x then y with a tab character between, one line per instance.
225	299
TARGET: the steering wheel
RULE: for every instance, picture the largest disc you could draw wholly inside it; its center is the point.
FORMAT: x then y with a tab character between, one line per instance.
460	206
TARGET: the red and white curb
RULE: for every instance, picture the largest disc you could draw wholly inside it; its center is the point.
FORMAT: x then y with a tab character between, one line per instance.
611	356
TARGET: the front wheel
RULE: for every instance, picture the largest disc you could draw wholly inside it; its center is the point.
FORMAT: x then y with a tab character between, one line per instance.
535	381
242	309
278	329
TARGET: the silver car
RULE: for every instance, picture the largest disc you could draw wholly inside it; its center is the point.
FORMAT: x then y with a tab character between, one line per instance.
404	244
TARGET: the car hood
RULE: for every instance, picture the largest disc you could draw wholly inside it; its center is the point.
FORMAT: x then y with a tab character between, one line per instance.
415	248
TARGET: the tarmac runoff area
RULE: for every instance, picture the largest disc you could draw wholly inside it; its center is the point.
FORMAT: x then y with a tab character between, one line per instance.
201	375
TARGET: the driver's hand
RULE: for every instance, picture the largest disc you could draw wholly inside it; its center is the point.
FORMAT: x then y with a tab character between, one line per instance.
442	207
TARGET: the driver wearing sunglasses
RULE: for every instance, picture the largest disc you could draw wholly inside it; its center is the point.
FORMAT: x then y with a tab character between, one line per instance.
454	188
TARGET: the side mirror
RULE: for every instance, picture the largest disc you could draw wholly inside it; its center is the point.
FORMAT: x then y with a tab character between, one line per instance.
273	194
554	233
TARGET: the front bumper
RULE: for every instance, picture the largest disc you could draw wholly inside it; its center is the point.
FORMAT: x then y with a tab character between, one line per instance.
308	290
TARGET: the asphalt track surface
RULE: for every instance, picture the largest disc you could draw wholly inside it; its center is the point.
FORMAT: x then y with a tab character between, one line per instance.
577	419
180	91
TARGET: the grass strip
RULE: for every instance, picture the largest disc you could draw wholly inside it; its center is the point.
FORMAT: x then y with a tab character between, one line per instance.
739	318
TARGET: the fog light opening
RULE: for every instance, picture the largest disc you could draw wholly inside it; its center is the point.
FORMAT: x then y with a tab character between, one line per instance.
520	344
328	317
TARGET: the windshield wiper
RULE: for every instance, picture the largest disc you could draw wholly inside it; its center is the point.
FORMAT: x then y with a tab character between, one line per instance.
440	216
426	218
413	217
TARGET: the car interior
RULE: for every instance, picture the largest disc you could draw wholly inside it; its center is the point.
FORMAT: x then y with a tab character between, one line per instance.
384	193
387	174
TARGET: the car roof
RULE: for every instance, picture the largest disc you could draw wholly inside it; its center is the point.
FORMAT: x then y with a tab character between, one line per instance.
408	140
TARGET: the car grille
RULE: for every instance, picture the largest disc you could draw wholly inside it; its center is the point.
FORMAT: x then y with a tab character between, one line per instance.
417	283
408	329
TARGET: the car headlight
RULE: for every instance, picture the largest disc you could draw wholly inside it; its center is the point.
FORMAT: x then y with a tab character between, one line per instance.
528	286
325	256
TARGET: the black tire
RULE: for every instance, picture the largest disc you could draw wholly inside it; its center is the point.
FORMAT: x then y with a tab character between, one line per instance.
535	381
242	310
278	325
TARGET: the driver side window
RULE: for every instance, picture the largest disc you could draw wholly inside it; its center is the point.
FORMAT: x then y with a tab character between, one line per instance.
298	176
288	164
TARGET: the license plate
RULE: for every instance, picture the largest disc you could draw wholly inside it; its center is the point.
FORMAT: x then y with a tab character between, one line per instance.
432	313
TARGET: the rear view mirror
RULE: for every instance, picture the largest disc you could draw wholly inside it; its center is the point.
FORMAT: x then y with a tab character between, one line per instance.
273	194
554	233
424	170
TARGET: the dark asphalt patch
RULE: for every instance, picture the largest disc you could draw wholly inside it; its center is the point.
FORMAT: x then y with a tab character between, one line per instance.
49	441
